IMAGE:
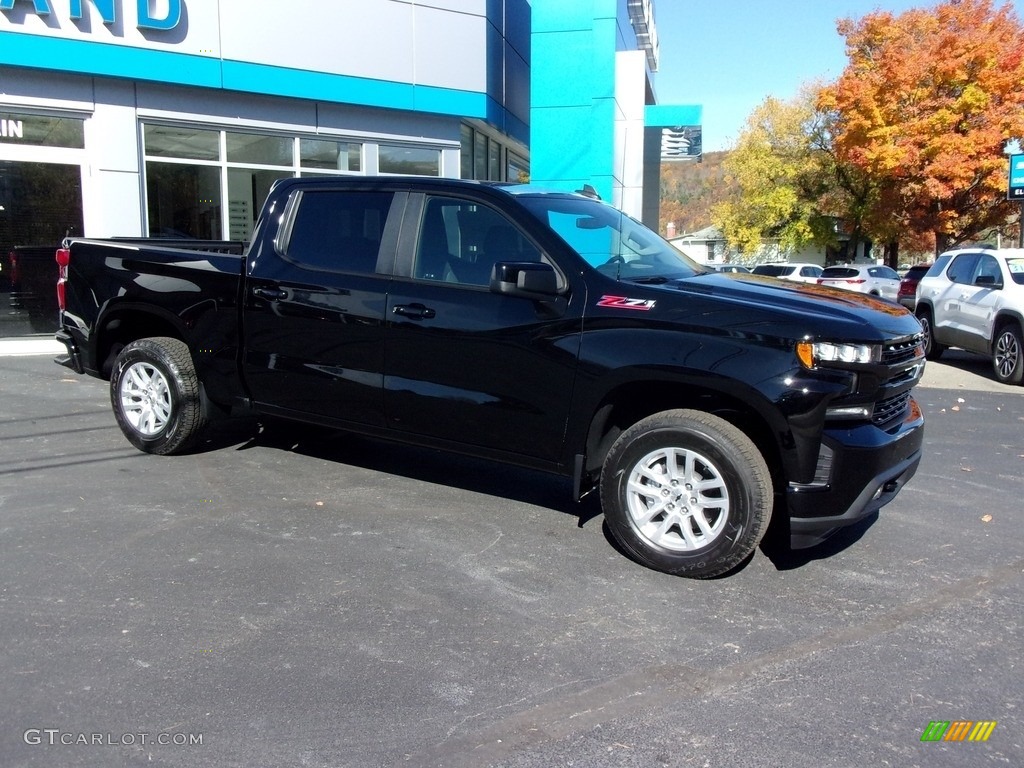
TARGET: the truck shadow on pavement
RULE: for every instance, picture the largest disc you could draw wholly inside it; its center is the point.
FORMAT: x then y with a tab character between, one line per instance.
490	478
775	545
428	465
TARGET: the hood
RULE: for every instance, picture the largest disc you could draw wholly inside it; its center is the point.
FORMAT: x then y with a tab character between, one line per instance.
776	307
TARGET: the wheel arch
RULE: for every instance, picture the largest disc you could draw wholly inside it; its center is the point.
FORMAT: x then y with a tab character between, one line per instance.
629	402
1003	318
123	324
923	305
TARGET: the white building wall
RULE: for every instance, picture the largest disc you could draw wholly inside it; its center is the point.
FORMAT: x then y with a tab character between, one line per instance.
387	40
630	94
112	192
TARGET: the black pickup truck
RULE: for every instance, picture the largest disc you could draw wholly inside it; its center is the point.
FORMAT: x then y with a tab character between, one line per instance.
545	329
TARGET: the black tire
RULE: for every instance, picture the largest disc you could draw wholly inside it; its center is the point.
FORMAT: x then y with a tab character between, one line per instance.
1008	355
932	349
667	524
155	394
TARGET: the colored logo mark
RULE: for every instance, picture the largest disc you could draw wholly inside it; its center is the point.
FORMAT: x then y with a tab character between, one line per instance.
958	730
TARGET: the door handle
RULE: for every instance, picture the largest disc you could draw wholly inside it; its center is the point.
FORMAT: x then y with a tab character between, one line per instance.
415	311
272	294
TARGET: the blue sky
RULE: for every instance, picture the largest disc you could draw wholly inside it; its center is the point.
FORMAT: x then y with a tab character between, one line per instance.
729	55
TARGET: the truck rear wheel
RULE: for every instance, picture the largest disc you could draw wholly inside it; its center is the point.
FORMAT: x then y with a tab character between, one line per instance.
155	394
686	493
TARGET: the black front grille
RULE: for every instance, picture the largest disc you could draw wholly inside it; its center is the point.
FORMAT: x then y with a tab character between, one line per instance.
903	350
891	409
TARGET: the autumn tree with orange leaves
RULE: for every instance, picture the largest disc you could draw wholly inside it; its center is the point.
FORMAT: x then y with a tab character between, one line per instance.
923	110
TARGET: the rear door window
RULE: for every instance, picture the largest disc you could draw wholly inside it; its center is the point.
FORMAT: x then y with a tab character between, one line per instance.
337	230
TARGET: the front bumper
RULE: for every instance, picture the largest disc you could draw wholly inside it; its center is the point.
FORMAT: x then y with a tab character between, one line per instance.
862	469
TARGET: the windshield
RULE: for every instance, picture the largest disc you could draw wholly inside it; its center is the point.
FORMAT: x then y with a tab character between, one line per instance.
609	240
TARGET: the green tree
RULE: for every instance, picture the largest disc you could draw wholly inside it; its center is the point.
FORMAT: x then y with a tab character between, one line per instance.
782	174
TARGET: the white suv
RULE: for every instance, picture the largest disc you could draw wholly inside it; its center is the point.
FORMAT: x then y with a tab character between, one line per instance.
873	279
973	298
801	273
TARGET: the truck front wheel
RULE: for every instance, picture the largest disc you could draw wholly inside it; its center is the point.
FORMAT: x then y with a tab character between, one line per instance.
686	493
155	394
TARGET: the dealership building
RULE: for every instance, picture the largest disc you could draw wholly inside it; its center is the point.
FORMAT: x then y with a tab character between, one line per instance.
173	117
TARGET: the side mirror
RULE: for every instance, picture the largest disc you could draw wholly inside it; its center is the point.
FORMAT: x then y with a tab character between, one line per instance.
986	280
525	279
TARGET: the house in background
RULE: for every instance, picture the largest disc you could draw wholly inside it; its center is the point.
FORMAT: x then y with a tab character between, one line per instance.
709	246
705	246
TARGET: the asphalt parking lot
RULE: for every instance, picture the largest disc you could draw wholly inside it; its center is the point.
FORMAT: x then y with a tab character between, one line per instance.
297	597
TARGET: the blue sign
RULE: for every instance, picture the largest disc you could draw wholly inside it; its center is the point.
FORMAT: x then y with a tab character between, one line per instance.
1015	189
107	10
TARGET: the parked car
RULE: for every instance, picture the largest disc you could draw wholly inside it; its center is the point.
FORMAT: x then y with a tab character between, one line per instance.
728	267
801	273
907	294
973	298
873	279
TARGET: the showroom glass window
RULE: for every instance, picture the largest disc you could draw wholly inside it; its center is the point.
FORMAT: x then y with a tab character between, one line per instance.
183	182
416	161
40	204
486	158
209	184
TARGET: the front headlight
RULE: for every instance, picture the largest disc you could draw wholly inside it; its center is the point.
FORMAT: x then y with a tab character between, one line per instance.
813	353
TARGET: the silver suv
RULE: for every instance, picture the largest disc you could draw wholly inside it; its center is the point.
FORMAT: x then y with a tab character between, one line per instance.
973	298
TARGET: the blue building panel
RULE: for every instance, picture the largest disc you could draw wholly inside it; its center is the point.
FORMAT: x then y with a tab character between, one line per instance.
276	81
564	164
447	101
84	57
562	16
495	62
602	73
591	92
569	83
517	27
671	115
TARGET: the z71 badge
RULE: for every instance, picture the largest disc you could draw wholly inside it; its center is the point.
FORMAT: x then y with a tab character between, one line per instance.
623	302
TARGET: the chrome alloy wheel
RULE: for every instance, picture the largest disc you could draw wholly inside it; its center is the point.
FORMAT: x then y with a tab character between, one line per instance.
677	499
1007	354
145	398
